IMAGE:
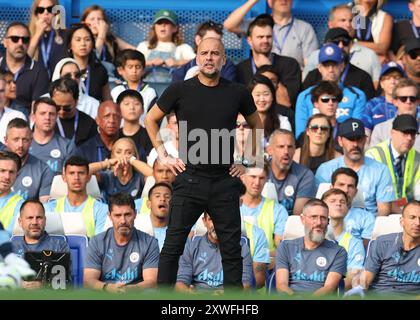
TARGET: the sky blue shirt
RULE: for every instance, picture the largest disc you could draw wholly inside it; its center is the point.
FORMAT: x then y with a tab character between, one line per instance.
359	223
122	263
160	235
100	211
352	106
261	249
374	180
201	264
3	202
396	270
308	269
356	254
46	242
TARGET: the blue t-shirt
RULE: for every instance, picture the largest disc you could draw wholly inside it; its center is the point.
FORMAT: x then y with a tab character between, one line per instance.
16	211
54	153
160	235
46	242
122	263
100	211
378	110
299	183
374	180
396	270
308	269
110	184
201	264
359	223
261	252
34	179
356	254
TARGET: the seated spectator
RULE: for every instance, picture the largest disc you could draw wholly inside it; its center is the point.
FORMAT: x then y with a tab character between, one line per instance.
338	207
68	68
130	66
200	266
99	147
47	40
318	143
380	109
294	183
405	30
48	146
35	177
292	37
311	264
410	60
331	65
208	29
80	45
72	123
260	39
10	93
134	254
127	174
374	177
156	223
30	76
242	142
392	262
76	176
32	220
131	105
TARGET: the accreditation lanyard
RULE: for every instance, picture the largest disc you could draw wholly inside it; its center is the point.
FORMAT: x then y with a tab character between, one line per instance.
60	126
283	41
86	81
254	66
368	33
416	33
346	70
397	178
46	50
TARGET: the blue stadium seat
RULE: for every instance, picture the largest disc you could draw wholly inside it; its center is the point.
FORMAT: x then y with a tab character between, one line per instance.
78	245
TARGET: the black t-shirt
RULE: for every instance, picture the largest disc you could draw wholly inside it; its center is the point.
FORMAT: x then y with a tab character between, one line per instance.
86	128
356	77
98	78
205	108
402	32
58	50
142	141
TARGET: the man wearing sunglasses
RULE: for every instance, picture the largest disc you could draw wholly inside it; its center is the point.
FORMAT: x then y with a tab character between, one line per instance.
411	60
30	76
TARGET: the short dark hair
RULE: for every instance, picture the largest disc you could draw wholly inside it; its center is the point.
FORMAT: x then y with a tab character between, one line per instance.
76	161
207	26
121	199
411	203
314	203
17	24
346	171
157	185
44	100
132	94
18	123
267	68
262	20
326	87
8	155
334	191
130	54
29	201
65	85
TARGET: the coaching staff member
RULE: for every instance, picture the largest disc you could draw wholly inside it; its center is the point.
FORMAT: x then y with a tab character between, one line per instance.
207	102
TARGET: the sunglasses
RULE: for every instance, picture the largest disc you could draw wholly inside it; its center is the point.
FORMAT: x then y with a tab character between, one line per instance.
70	75
414	54
15	39
325	99
40	10
244	125
405	98
213	24
66	108
345	41
314	128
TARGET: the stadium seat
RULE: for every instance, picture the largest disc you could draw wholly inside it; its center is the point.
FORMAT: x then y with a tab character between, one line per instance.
386	224
143	223
54	225
73	223
199	228
294	228
78	246
358	201
59	187
150	182
108	223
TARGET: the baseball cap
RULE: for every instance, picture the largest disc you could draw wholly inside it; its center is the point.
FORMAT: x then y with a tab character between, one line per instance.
392	66
330	52
336	33
166	15
351	129
405	123
412	44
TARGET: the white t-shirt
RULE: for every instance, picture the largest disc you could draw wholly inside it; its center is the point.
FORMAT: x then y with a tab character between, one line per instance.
181	52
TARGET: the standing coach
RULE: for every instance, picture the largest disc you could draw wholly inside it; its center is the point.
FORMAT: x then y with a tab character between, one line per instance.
208	179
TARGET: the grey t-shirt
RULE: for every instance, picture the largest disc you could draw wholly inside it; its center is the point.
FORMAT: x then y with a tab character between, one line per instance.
396	270
201	264
46	242
122	263
308	269
34	179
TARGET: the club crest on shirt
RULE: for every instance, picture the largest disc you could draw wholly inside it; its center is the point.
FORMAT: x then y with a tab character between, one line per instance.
27	181
55	153
418	262
321	262
134	257
134	192
289	191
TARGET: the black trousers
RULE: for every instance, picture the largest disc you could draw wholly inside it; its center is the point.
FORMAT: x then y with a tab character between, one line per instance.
196	191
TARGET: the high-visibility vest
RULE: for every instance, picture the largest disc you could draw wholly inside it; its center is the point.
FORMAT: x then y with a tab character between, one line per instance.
345	241
87	213
144	209
250	235
8	211
381	153
266	221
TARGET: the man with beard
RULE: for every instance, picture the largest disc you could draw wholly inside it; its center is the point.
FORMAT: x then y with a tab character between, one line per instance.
411	60
374	177
295	184
32	220
311	264
121	258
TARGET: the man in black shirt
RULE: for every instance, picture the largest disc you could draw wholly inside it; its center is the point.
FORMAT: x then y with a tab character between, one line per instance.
208	182
71	123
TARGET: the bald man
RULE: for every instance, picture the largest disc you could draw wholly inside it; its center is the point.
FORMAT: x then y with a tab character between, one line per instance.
206	107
